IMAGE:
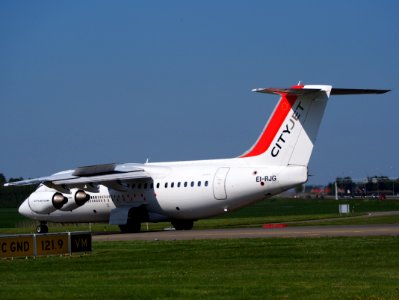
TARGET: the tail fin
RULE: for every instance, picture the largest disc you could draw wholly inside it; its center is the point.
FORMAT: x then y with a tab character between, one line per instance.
290	133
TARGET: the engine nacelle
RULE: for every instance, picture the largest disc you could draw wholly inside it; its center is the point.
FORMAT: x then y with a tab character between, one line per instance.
59	200
46	202
80	197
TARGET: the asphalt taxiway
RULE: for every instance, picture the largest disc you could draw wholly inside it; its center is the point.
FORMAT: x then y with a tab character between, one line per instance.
236	233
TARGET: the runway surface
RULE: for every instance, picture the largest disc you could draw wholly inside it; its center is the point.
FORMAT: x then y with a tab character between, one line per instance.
287	232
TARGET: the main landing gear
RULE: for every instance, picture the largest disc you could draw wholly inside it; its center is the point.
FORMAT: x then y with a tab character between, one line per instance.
183	224
42	228
132	226
136	215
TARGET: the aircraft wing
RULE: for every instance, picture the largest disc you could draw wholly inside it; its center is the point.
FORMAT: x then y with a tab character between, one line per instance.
90	174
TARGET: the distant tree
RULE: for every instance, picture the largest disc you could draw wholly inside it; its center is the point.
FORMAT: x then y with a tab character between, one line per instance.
15	179
372	185
384	183
2	179
299	188
347	184
331	187
13	196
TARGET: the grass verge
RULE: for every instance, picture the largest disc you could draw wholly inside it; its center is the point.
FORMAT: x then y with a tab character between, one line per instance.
311	268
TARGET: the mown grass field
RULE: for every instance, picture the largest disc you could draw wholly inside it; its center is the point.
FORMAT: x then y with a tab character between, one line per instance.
311	268
275	210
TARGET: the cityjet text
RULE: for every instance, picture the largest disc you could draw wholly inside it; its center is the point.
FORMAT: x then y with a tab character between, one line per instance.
288	129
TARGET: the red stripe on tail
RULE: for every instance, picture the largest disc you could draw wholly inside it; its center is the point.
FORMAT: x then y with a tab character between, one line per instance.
267	137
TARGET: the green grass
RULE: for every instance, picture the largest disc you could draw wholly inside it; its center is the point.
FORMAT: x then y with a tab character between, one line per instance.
323	268
311	268
351	221
9	217
275	210
278	207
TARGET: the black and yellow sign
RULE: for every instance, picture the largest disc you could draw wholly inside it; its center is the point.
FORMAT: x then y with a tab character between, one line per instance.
81	242
48	244
44	244
16	246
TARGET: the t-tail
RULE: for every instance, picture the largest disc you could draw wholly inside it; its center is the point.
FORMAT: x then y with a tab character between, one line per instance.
290	133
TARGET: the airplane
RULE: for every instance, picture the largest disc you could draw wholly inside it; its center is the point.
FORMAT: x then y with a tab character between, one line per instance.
182	192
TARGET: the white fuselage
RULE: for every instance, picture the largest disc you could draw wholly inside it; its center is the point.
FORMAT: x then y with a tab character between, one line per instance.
176	190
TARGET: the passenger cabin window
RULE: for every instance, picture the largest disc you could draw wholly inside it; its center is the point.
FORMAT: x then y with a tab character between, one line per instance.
180	184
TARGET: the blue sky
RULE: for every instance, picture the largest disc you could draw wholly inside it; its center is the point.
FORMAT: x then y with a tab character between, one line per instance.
88	82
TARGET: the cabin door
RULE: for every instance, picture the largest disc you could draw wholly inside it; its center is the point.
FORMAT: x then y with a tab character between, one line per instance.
219	184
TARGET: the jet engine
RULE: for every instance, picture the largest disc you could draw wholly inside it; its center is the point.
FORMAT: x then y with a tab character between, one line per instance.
59	200
80	197
44	202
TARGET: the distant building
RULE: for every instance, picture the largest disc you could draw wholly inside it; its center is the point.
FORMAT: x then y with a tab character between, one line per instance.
320	191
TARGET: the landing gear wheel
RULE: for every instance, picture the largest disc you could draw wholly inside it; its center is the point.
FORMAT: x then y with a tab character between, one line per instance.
131	227
42	228
183	224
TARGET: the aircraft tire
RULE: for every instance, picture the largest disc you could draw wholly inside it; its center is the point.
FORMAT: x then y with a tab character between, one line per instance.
131	227
183	224
42	228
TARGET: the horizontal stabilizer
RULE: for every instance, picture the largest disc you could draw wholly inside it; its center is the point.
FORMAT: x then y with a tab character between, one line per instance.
337	91
291	91
298	91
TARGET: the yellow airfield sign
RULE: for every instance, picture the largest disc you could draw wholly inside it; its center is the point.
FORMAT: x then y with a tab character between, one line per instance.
44	244
16	246
51	244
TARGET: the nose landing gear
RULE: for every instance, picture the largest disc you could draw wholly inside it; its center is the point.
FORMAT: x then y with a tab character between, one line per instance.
42	228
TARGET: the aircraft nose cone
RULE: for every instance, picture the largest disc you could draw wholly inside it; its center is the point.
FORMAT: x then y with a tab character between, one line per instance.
24	208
